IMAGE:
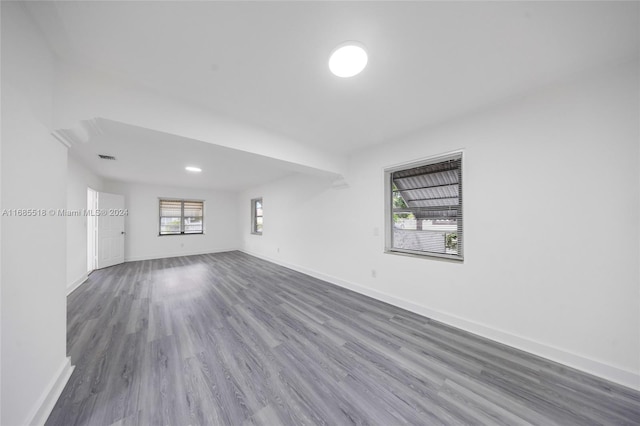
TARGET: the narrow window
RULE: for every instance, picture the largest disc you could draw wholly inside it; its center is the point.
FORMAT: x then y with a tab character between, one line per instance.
424	208
178	217
256	216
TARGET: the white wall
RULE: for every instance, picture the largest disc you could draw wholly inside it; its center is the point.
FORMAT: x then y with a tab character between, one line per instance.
551	225
142	240
78	179
33	248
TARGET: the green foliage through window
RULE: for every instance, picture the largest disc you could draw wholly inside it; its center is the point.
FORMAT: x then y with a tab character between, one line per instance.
399	203
451	241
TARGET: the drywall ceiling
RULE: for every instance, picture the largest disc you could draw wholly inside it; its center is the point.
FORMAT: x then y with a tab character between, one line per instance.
147	156
265	63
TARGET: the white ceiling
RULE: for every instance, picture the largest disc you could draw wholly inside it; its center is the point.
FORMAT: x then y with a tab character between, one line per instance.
265	63
148	156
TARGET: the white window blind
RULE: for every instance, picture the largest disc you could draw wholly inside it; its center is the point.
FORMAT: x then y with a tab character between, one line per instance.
192	217
425	208
181	217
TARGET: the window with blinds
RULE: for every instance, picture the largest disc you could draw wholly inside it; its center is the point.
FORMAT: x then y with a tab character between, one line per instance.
256	216
179	217
424	208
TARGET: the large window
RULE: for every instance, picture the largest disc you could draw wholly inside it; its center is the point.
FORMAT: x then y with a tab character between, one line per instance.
424	208
179	217
256	216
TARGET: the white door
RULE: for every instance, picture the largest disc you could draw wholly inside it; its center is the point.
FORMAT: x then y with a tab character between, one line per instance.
110	229
92	230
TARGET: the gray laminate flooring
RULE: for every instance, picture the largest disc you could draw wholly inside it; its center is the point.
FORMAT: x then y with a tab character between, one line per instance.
229	339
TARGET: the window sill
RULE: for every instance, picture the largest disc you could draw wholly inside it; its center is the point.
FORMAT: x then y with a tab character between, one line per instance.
180	235
432	256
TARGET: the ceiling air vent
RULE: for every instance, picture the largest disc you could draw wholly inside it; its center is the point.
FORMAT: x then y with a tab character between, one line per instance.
106	157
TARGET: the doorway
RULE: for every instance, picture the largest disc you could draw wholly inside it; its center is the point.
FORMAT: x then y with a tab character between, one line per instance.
110	230
92	229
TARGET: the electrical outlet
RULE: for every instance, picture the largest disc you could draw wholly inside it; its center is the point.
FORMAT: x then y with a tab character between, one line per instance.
373	273
278	249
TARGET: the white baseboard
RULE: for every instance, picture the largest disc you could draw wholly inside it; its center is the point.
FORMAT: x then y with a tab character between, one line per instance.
168	255
77	283
49	397
579	362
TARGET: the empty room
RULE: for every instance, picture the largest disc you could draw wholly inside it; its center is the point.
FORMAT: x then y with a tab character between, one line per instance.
320	213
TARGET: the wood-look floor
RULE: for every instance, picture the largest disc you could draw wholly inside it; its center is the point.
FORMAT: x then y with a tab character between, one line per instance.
228	339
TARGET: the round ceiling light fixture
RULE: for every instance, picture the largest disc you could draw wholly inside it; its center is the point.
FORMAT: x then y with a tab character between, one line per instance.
193	169
348	59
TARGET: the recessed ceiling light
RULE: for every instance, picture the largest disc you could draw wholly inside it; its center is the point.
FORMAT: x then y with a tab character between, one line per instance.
348	59
193	169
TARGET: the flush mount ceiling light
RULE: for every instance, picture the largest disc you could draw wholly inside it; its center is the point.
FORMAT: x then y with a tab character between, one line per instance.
348	59
193	169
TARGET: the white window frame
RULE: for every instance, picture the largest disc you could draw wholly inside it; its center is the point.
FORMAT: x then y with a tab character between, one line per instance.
388	209
181	201
254	216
